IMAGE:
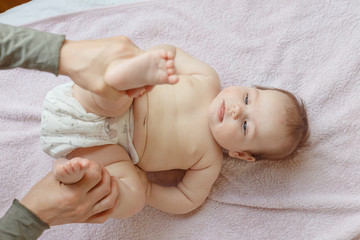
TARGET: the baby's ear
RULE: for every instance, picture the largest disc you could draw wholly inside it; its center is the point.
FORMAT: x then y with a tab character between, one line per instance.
243	156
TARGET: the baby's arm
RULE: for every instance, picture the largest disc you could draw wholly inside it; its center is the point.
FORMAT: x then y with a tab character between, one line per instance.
118	163
189	194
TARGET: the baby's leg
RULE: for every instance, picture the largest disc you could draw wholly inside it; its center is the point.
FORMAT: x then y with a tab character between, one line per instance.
70	171
132	192
149	68
117	161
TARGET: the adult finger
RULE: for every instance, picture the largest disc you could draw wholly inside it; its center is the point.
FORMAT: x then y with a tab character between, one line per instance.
100	217
93	175
110	201
101	190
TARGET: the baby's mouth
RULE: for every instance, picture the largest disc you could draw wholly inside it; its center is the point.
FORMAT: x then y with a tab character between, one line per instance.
221	111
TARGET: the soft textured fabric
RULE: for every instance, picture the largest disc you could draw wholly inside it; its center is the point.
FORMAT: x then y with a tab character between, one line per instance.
308	47
28	48
66	126
19	223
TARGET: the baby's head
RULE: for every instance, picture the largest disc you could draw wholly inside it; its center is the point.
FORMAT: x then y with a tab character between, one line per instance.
254	123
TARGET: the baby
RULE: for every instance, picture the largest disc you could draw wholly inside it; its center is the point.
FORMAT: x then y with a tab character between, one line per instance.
182	124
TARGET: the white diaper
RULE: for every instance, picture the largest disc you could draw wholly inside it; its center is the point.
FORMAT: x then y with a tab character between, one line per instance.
65	126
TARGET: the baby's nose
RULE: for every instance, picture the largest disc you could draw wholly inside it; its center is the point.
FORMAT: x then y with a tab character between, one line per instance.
236	111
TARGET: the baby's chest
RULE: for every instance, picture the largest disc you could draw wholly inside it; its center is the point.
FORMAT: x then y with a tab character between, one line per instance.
179	150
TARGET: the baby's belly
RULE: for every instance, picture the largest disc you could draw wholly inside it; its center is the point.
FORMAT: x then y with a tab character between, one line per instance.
165	158
170	146
155	144
169	134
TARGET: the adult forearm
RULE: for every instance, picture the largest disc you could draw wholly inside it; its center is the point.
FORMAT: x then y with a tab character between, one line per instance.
20	223
29	48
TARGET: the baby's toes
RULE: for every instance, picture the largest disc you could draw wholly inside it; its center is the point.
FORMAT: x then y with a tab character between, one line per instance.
68	168
163	76
170	64
170	71
76	166
163	54
170	55
162	65
172	79
59	171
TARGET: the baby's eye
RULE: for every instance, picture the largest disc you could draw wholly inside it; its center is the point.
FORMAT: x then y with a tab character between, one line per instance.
246	99
245	127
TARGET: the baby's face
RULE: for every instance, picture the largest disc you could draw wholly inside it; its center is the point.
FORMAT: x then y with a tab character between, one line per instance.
245	119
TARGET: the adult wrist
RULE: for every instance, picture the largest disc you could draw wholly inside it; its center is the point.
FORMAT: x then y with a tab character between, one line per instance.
31	214
65	55
44	215
20	223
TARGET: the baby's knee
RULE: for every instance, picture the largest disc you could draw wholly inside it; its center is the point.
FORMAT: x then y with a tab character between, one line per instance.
131	206
139	203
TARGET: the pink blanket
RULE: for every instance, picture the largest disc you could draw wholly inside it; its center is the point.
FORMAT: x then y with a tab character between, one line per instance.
310	48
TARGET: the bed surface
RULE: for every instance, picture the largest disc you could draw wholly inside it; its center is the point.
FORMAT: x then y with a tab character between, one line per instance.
41	9
308	48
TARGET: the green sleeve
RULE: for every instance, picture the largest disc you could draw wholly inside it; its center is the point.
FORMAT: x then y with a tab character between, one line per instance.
20	223
29	48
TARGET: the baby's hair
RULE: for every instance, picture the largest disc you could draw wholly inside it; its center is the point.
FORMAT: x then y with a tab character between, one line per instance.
297	126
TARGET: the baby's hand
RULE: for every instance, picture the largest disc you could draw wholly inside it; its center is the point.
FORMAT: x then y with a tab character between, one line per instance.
138	92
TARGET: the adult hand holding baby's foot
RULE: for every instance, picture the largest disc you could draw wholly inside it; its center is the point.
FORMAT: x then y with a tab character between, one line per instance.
70	171
139	74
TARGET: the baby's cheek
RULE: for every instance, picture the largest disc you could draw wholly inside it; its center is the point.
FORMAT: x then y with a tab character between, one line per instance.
232	139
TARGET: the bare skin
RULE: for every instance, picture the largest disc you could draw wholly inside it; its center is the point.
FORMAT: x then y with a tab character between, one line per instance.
179	126
136	76
153	67
177	114
70	171
92	199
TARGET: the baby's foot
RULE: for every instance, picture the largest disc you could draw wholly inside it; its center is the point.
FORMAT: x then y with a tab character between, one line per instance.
150	68
71	171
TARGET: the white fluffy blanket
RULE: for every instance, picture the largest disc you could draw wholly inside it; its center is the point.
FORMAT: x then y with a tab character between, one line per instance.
311	48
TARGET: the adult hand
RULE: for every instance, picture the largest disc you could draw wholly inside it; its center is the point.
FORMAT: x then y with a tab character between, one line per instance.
87	61
94	64
91	200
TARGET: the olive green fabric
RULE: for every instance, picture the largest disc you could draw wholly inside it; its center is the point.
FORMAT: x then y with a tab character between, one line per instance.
20	223
29	48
